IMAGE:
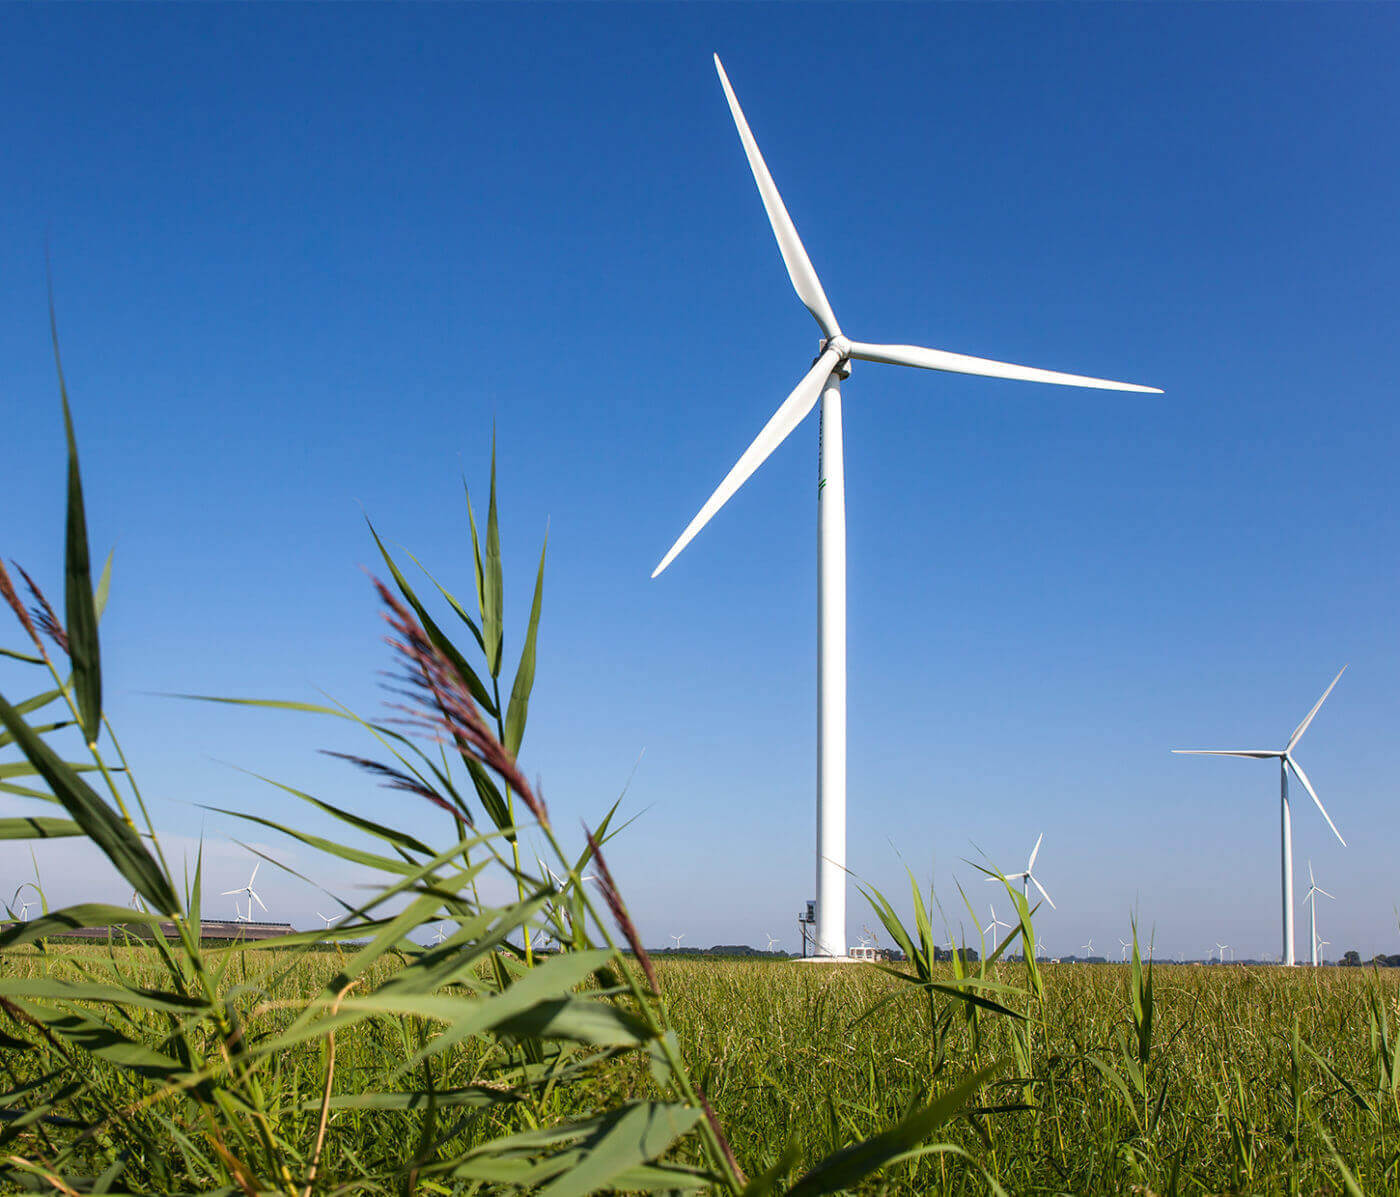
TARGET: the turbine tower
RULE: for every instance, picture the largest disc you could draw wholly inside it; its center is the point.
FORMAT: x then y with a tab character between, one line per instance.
1286	762
1313	890
823	380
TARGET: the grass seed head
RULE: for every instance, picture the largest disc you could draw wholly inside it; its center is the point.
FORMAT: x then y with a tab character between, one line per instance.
43	612
7	591
442	704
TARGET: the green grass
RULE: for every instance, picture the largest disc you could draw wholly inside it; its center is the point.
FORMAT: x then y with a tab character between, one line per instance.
786	1057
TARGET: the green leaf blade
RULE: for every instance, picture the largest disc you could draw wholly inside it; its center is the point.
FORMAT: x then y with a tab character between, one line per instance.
79	602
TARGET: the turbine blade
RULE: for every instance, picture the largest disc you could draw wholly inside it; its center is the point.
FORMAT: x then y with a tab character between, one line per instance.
254	898
1257	754
227	892
1302	727
799	266
1311	879
792	412
960	363
1030	864
1043	894
1307	785
254	877
1325	894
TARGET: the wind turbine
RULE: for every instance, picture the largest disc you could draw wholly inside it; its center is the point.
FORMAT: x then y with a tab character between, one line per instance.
441	935
1313	890
1222	947
823	380
1285	763
1088	948
1126	946
1028	878
994	924
238	915
678	939
772	939
1321	943
252	894
325	918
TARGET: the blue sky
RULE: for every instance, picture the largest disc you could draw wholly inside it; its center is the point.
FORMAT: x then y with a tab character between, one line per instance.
306	257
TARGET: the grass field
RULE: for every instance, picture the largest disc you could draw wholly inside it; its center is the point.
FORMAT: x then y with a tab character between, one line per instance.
1227	1100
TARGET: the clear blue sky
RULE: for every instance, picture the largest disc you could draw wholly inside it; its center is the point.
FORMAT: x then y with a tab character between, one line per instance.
305	256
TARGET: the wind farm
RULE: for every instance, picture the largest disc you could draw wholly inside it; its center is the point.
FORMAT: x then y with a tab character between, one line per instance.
493	335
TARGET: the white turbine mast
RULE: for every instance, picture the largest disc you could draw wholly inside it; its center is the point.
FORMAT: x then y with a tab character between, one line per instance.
823	381
252	894
1313	890
1284	756
1028	878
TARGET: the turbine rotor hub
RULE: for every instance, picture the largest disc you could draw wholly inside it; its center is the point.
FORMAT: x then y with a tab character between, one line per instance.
842	345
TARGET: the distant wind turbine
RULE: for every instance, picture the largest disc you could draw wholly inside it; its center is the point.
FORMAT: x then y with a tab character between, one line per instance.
252	894
772	939
1313	890
1088	948
325	918
994	924
1284	756
1126	945
1027	877
678	939
823	380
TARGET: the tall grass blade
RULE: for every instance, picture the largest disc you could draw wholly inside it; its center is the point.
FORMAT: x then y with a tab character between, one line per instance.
518	706
117	838
80	608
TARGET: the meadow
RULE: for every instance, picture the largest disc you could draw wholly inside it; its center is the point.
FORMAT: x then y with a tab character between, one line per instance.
1256	1080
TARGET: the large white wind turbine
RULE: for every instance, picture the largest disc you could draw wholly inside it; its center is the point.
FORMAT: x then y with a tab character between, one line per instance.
823	380
1313	890
1286	762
